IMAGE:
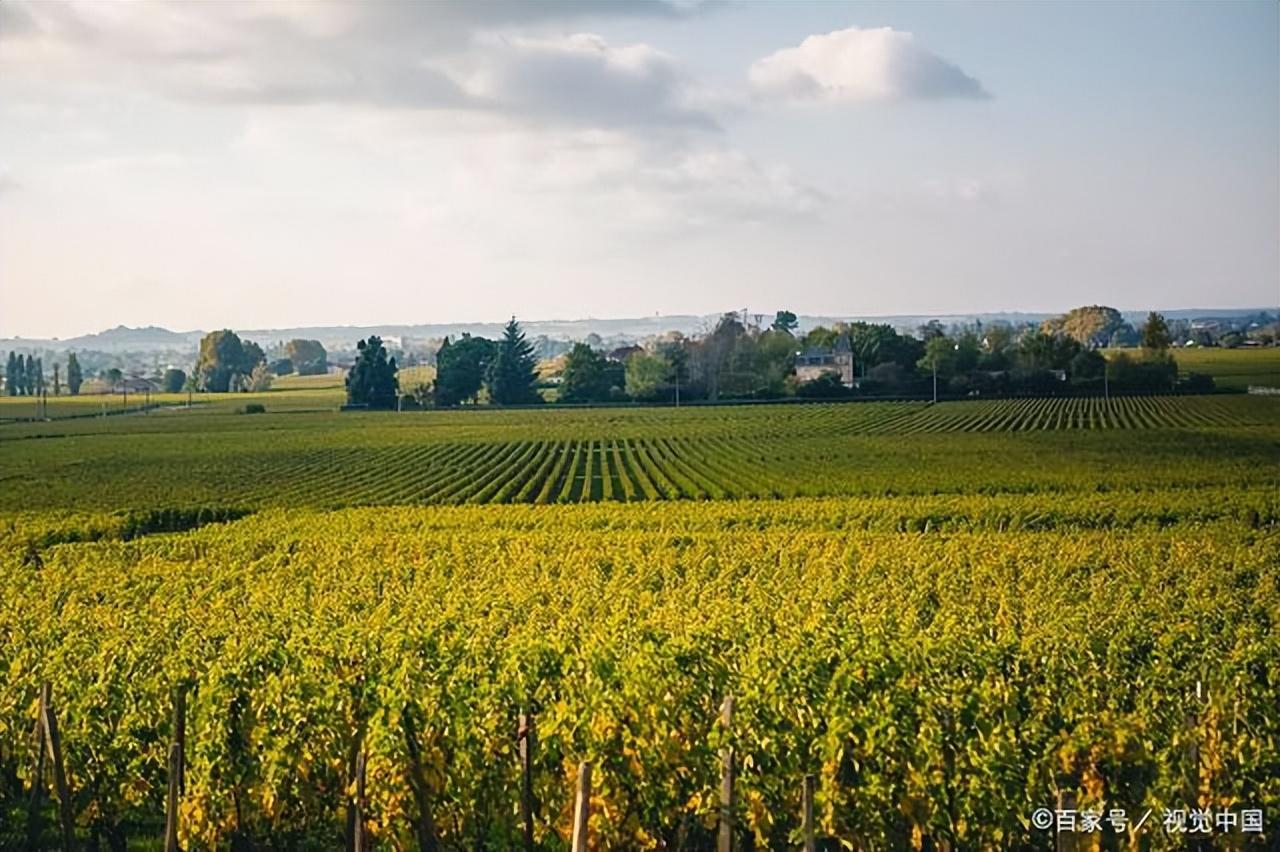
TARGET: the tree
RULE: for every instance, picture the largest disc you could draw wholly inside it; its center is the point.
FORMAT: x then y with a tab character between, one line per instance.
372	379
113	376
461	368
786	322
174	380
1087	365
1041	351
12	377
39	383
1090	325
512	374
29	376
308	356
224	359
713	355
1155	371
260	378
648	376
57	380
940	354
253	356
1155	333
75	377
590	377
282	366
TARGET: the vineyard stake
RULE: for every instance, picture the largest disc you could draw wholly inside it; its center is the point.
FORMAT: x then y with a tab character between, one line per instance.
582	807
355	803
425	827
525	736
53	741
177	769
37	785
806	815
359	841
725	842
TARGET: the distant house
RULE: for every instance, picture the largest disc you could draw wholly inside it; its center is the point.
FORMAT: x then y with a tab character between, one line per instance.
818	360
135	385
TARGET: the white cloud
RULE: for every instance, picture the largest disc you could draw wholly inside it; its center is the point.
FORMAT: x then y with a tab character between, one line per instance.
382	54
583	79
856	64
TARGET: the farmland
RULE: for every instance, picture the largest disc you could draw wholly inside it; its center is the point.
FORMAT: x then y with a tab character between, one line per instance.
941	664
1234	369
215	457
944	613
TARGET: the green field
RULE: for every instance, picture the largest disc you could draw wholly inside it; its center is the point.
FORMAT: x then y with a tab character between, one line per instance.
947	614
1234	369
211	456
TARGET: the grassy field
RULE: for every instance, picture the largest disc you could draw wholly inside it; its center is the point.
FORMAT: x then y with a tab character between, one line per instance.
1233	368
945	613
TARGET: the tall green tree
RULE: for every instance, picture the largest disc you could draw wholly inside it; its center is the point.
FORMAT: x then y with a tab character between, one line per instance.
39	383
12	377
174	380
372	379
308	356
57	380
29	376
75	377
512	374
461	367
1155	333
590	377
224	359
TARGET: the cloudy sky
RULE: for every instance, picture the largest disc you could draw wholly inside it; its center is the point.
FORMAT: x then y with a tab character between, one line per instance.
199	165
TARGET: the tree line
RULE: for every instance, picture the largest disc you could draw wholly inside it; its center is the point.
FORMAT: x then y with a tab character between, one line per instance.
738	360
24	376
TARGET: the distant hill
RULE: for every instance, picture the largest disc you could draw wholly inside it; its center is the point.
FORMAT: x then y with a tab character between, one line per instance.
156	339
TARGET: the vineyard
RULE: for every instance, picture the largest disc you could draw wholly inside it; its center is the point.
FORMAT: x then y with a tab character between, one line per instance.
942	664
623	455
940	617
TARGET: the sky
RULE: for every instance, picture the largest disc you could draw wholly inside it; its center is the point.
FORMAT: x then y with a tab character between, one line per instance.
271	164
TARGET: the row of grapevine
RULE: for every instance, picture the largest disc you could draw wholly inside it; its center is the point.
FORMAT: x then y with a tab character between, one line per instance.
575	456
942	664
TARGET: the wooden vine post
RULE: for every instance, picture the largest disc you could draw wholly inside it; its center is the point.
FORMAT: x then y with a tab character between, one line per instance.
725	840
582	807
49	743
37	783
177	770
524	735
355	783
806	815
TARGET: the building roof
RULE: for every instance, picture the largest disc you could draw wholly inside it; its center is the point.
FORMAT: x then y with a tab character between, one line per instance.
134	385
